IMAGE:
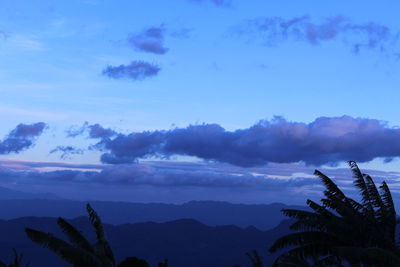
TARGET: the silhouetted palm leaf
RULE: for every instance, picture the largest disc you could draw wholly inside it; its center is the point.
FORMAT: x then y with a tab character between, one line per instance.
342	228
361	184
255	259
80	253
74	235
368	256
102	242
73	255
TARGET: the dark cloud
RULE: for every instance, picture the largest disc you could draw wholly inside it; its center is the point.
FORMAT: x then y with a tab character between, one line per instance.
129	148
216	2
66	151
21	138
151	40
323	141
136	70
275	30
94	131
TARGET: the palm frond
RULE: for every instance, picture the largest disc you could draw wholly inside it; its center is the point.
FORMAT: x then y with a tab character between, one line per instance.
360	233
299	214
74	235
301	239
319	209
96	223
369	256
362	186
388	200
46	240
288	260
375	196
255	258
333	193
102	242
331	188
343	208
306	255
330	260
73	255
389	215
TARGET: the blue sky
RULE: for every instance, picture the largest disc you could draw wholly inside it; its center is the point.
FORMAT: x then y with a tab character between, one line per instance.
215	66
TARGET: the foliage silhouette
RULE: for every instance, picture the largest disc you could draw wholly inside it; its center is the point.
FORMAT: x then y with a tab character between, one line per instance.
133	262
79	252
255	259
342	230
17	262
164	263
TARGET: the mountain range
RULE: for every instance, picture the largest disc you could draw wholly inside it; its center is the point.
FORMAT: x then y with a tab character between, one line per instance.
183	242
212	213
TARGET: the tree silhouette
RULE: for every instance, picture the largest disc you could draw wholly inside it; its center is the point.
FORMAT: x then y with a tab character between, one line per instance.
342	229
79	252
164	263
255	259
17	261
133	262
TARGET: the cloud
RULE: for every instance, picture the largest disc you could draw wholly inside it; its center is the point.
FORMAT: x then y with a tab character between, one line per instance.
150	40
151	181
323	141
66	151
136	70
275	30
172	181
23	165
129	148
215	2
21	138
94	131
154	173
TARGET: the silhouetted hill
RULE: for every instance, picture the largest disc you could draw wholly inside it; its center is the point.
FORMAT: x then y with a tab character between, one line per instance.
262	216
184	242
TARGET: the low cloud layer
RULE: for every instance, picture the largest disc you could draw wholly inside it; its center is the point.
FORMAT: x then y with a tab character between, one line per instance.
21	138
136	70
323	141
177	181
274	30
155	173
159	173
150	40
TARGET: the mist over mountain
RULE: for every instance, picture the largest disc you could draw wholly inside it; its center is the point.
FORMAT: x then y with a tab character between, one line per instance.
184	242
212	213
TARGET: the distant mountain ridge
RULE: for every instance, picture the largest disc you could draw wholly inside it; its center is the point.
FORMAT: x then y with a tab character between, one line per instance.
184	242
212	213
10	194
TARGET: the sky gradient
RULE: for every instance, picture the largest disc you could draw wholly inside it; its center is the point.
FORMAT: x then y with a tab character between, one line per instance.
196	99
